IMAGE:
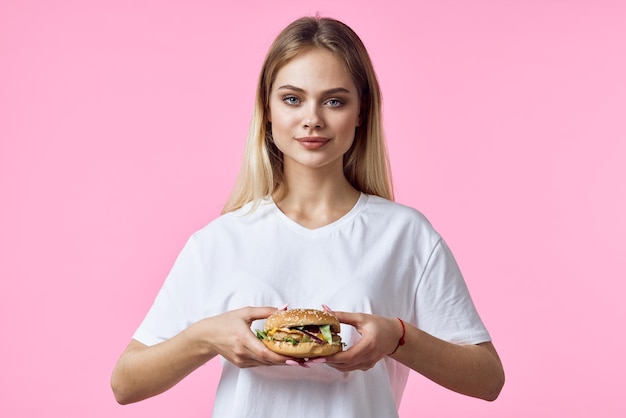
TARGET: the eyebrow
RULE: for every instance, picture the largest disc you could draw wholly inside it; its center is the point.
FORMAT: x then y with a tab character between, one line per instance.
299	90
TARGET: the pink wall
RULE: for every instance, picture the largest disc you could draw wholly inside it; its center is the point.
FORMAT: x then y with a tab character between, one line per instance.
121	130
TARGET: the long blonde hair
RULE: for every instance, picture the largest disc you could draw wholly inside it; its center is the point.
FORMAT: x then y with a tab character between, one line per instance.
366	164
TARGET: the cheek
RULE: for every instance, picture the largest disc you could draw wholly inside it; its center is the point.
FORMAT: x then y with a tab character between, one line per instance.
281	130
348	125
282	121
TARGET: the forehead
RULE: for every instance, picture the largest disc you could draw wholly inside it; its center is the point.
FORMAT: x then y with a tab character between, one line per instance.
315	69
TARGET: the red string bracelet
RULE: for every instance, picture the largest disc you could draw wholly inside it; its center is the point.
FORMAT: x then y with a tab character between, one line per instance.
401	341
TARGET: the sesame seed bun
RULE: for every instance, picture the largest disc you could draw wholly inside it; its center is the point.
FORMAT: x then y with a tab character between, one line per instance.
302	317
303	350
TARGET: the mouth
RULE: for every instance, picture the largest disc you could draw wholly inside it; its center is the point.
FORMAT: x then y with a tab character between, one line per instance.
313	142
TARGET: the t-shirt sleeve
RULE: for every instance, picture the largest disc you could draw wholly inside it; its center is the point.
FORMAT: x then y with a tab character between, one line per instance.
444	306
179	301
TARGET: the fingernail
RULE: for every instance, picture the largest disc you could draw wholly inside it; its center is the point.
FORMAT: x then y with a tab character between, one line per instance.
326	308
318	360
284	307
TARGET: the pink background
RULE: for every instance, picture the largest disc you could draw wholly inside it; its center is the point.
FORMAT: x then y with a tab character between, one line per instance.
121	130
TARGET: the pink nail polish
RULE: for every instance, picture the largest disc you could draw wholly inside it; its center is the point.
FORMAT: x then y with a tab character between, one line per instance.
284	307
326	308
292	363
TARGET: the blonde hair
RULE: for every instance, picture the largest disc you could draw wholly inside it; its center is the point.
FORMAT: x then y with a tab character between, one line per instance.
366	164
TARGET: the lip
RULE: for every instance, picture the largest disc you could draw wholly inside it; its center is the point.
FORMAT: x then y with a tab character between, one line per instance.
313	142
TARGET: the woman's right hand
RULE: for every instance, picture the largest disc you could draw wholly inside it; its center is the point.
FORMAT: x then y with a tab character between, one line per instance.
229	335
144	371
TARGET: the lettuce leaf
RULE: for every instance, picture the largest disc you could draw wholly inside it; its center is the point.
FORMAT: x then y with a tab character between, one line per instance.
328	336
291	340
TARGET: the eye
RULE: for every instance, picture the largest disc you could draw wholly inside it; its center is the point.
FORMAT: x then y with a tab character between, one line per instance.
334	102
291	100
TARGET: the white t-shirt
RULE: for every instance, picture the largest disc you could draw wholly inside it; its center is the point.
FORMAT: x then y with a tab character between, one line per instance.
381	258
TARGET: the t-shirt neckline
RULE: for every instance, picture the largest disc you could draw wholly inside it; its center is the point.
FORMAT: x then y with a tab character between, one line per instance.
322	230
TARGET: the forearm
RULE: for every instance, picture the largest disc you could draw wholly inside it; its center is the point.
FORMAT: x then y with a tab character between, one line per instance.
473	370
143	371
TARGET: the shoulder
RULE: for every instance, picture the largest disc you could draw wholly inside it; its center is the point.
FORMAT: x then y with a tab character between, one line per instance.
397	212
405	223
232	224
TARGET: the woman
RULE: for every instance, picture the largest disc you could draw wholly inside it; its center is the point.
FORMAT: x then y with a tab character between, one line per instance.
311	223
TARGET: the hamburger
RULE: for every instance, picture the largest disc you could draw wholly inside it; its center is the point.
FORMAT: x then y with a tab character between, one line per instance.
302	333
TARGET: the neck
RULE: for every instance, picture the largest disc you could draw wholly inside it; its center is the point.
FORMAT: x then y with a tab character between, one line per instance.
315	198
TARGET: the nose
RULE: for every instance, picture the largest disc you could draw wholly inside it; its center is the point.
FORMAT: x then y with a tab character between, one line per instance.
313	118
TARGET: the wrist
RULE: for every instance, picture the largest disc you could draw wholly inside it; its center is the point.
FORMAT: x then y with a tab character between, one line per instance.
401	340
198	340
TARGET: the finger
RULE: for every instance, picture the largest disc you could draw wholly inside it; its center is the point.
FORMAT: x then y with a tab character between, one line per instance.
343	317
260	312
348	361
297	363
359	352
348	318
347	364
344	357
260	353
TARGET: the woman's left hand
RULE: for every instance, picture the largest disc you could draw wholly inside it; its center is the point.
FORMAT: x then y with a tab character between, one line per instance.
379	337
